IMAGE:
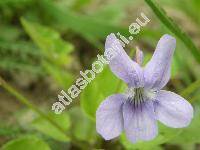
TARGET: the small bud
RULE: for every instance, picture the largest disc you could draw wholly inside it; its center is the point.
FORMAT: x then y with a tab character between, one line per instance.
139	56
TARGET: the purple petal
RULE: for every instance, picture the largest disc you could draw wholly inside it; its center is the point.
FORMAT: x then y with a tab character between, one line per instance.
139	122
157	71
173	110
121	64
109	118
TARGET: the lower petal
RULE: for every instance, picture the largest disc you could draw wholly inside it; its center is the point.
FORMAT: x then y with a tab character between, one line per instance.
109	118
173	110
139	122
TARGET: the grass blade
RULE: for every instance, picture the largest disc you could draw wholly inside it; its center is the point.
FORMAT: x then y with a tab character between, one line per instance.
173	27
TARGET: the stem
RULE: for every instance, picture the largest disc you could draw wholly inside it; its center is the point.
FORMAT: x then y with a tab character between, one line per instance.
26	102
174	28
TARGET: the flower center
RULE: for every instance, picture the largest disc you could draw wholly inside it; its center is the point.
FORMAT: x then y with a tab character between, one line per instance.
135	95
139	95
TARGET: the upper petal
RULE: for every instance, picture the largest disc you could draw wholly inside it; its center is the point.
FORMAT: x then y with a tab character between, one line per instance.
173	110
109	119
157	70
139	122
121	64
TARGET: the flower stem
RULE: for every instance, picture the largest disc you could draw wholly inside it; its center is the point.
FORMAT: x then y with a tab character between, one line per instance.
174	28
26	102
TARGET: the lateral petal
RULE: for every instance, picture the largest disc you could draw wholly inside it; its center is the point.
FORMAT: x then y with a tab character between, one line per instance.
109	118
173	110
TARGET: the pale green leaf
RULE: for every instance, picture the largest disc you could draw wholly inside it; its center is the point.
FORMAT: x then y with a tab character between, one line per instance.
83	128
190	135
48	129
61	76
103	85
49	41
26	142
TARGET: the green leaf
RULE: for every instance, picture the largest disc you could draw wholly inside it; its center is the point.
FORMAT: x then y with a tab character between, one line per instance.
9	33
49	41
103	85
72	4
28	57
48	129
90	28
26	142
112	13
8	130
174	28
83	128
190	135
91	97
14	2
55	50
139	146
61	76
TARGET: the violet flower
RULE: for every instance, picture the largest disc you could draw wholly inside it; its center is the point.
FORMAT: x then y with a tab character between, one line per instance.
136	112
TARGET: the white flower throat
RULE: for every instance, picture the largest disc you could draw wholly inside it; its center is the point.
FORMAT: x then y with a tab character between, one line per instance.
139	95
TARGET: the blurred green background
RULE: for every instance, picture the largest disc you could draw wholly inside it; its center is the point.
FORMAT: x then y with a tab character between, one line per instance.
44	44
